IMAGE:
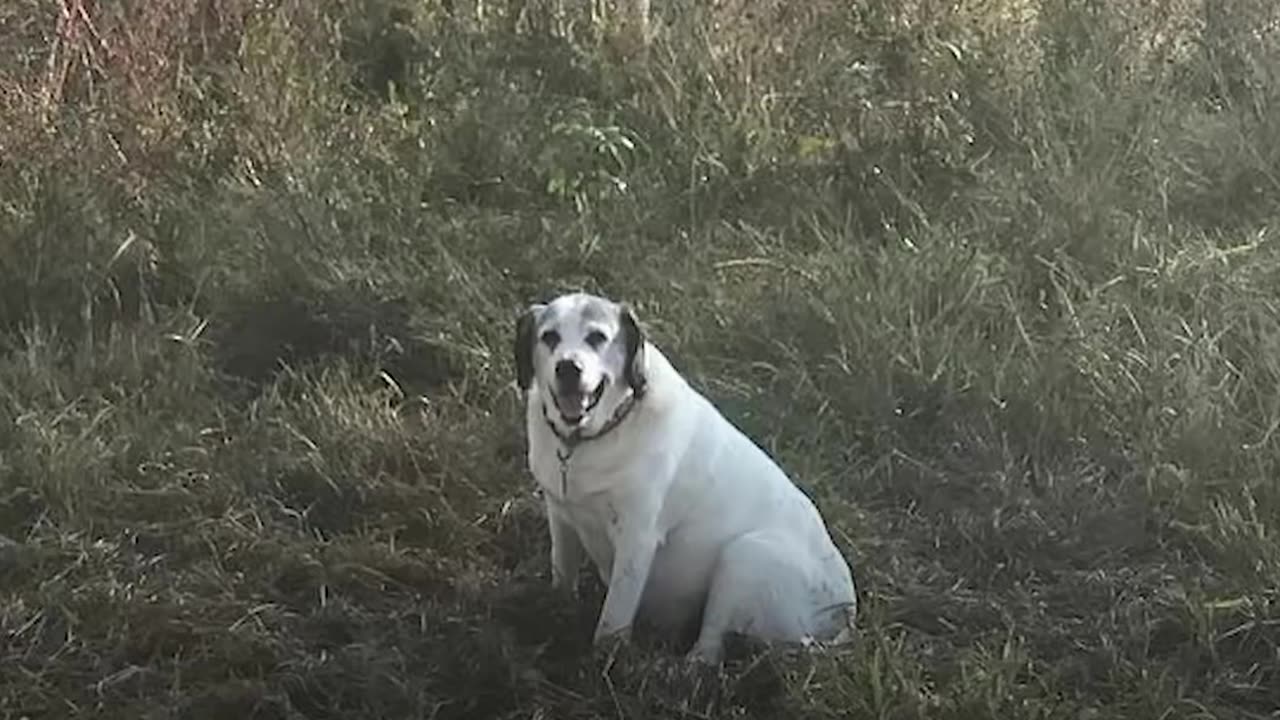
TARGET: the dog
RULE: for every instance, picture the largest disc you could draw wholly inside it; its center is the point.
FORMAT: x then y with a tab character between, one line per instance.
692	527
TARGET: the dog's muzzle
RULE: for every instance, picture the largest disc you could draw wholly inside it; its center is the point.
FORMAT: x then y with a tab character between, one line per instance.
574	405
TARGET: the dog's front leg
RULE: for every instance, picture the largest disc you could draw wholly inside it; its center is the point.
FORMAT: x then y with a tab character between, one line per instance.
566	549
635	541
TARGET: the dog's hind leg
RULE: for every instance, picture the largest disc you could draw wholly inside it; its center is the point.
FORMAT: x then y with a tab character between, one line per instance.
763	588
754	592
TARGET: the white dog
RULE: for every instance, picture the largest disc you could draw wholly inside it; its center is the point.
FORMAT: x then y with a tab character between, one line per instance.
686	520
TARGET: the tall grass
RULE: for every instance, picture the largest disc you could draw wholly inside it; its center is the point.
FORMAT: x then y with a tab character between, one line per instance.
995	280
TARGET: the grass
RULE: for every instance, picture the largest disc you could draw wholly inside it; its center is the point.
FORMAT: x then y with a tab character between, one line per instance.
995	281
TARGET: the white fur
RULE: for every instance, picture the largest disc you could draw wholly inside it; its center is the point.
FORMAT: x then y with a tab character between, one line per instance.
679	511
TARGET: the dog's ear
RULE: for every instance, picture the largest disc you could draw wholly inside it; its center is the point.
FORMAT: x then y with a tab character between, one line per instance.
524	345
633	340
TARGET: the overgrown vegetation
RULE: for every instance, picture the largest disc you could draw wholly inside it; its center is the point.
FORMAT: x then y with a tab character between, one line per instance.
996	280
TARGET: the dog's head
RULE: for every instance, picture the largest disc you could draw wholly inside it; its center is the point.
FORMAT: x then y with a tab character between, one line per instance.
583	353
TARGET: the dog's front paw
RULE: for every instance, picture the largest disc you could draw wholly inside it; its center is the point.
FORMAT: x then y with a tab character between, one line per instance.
700	659
565	585
708	653
608	640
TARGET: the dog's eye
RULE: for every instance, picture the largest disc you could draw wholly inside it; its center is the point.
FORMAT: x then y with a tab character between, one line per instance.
551	338
595	338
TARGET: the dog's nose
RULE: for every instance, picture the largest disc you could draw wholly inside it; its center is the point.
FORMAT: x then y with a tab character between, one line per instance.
568	372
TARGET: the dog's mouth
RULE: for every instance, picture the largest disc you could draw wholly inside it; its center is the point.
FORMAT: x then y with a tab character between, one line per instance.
575	405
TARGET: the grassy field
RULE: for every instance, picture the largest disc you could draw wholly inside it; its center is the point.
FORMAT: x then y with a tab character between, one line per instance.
997	281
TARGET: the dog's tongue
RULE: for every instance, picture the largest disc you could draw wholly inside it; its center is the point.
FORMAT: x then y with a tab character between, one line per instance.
573	406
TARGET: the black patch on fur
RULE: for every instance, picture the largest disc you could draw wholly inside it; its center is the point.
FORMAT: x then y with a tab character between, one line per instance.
633	337
523	349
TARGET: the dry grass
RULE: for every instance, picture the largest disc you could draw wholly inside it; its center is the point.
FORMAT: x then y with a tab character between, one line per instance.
995	281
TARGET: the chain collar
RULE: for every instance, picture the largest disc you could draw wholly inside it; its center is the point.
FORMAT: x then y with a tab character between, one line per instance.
570	442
